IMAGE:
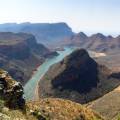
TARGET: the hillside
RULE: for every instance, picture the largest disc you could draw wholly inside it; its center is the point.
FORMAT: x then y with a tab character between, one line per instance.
77	77
45	33
108	105
20	54
14	107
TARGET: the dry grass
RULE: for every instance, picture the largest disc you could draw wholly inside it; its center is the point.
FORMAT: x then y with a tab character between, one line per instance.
51	109
58	109
108	105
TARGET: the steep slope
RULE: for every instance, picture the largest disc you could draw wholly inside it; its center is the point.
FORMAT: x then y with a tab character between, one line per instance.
45	33
20	54
14	107
77	77
108	105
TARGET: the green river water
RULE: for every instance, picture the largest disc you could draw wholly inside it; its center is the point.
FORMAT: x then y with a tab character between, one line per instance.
29	88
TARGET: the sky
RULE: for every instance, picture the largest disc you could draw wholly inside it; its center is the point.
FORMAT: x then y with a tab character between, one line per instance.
89	16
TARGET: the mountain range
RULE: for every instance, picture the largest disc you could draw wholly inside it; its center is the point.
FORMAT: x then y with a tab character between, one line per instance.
60	34
96	42
45	33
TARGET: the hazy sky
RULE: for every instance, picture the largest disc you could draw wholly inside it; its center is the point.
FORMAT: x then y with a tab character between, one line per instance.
82	15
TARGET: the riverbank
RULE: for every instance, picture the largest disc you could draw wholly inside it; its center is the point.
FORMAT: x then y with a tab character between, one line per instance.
30	87
36	94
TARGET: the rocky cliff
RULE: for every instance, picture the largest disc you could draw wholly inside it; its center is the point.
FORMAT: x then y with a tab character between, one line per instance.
77	77
20	54
11	92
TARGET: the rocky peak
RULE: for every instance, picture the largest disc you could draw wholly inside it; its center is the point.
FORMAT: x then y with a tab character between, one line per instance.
77	56
98	36
77	66
79	37
11	91
82	34
110	37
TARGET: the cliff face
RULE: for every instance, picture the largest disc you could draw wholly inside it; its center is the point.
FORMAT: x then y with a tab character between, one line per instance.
20	54
11	91
77	77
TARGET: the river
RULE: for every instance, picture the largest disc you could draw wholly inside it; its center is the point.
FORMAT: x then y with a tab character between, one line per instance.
29	88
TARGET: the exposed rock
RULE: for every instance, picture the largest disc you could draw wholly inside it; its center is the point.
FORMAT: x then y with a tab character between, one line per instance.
11	91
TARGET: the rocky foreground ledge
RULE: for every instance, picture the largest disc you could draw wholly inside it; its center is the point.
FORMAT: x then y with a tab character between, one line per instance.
14	107
11	91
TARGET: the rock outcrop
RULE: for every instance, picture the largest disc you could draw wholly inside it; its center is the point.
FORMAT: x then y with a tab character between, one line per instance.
77	77
11	91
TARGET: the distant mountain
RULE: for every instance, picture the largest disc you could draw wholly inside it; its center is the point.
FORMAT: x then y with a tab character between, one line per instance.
55	35
78	39
45	33
77	77
96	42
20	54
